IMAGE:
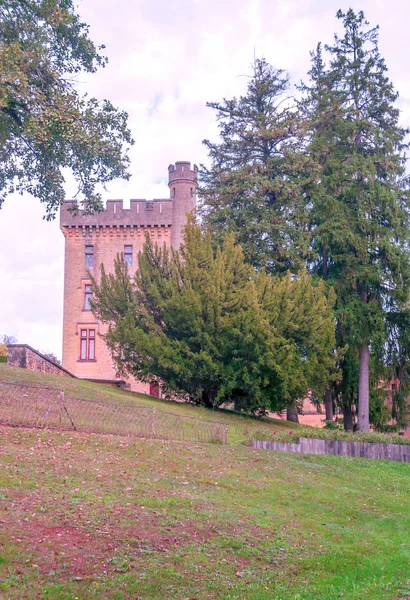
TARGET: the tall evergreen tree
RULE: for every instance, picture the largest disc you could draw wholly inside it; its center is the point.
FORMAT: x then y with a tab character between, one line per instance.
360	204
256	182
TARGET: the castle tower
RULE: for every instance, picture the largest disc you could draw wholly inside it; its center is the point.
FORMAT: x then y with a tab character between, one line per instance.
182	185
92	240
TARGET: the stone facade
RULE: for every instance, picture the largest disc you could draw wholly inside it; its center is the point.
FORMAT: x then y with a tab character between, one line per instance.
25	357
92	240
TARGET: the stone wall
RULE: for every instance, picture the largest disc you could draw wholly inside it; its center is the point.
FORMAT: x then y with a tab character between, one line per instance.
355	449
25	357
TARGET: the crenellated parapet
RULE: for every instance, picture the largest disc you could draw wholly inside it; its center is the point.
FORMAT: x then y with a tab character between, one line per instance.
142	213
165	212
181	171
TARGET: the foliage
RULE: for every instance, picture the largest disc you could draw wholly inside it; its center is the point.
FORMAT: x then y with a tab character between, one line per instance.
379	412
255	186
207	326
45	125
8	339
51	356
300	314
396	358
333	426
360	204
4	340
324	433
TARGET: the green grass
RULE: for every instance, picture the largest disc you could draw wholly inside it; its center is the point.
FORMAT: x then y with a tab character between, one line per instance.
240	430
87	516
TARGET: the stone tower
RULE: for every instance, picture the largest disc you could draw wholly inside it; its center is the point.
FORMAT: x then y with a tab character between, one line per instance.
182	186
91	240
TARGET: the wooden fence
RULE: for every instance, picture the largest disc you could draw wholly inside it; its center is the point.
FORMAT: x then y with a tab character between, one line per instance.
355	449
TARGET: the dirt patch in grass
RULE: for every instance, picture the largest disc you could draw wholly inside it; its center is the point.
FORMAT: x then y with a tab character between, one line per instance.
106	517
79	546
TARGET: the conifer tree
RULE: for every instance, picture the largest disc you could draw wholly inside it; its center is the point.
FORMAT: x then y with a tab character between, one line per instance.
255	185
300	312
193	322
360	204
209	327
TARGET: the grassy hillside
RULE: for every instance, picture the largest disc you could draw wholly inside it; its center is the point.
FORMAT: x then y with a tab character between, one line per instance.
87	516
240	427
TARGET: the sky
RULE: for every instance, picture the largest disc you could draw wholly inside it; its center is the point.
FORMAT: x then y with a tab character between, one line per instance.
166	60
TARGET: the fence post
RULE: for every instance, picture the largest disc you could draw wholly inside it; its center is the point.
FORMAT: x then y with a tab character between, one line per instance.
153	422
66	411
61	408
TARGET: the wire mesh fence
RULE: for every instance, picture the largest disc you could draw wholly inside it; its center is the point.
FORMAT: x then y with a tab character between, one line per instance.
32	406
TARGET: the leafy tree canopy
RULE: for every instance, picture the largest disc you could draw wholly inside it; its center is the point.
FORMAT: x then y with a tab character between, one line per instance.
45	125
209	327
8	339
4	340
51	356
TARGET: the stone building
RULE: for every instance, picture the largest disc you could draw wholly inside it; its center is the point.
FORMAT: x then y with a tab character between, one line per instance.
91	240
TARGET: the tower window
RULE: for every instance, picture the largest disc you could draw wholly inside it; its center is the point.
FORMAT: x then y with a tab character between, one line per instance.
128	255
173	192
89	257
192	192
87	344
88	294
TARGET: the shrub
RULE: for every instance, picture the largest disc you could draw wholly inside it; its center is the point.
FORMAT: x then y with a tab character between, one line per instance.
326	434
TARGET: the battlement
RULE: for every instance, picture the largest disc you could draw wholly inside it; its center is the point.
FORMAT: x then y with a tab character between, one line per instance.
181	171
144	213
141	213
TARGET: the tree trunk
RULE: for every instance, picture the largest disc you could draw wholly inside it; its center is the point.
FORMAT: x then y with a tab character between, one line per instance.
325	259
363	404
329	405
207	399
347	418
292	413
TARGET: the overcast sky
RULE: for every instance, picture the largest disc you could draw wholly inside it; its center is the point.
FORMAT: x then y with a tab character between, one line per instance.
166	60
